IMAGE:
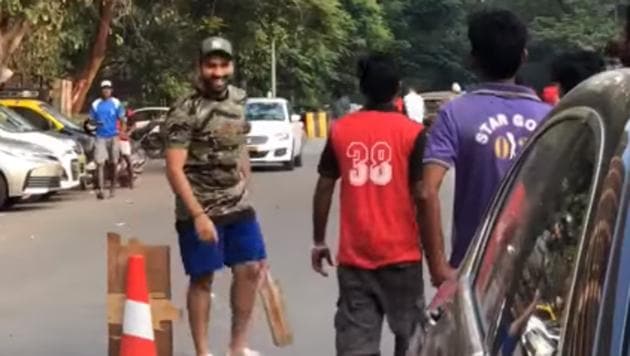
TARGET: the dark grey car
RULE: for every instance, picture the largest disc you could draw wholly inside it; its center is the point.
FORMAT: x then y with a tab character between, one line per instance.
544	275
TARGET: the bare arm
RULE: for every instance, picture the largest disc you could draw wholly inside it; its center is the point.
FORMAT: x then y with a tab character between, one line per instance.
246	167
429	205
322	199
321	207
175	160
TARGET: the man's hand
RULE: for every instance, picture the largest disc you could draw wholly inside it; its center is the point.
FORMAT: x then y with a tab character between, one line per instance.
318	255
441	273
206	229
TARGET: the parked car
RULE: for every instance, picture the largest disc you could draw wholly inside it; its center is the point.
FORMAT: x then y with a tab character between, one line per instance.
546	272
276	134
65	150
147	115
26	170
46	118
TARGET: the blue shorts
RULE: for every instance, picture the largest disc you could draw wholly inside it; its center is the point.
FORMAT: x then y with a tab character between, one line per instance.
239	242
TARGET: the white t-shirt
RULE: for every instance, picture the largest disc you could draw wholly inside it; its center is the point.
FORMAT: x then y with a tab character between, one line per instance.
415	106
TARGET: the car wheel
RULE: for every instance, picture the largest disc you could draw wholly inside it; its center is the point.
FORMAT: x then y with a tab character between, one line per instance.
298	160
4	193
290	165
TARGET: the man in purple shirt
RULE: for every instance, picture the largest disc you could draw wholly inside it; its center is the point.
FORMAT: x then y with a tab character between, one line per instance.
479	134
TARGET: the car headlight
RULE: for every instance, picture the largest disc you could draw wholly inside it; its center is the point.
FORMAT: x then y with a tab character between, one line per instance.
283	136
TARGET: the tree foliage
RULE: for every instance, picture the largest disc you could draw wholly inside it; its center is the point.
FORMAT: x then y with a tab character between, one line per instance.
152	44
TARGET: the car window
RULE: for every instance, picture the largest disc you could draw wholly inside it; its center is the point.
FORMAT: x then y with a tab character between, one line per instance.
141	117
526	269
265	111
592	269
67	122
605	286
33	118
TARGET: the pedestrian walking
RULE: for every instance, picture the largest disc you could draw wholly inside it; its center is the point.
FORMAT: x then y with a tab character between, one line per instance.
106	113
414	103
551	94
125	150
208	168
479	134
376	153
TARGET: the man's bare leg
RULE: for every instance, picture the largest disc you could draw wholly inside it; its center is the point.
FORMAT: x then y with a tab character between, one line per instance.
114	178
245	280
127	159
199	302
100	180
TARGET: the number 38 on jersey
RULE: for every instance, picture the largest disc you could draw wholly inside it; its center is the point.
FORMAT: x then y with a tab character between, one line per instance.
370	164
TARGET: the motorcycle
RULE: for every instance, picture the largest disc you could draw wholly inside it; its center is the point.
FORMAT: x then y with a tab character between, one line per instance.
150	138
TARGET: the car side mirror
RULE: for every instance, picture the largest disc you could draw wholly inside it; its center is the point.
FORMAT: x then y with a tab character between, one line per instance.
295	118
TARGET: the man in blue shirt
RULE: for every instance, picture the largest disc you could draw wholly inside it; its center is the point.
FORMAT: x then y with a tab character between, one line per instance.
105	112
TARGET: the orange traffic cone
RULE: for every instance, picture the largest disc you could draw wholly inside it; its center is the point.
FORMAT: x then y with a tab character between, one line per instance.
137	336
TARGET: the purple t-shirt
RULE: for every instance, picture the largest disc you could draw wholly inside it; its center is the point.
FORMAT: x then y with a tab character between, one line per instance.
480	133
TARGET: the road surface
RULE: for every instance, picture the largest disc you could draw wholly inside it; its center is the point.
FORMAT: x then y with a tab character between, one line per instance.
52	259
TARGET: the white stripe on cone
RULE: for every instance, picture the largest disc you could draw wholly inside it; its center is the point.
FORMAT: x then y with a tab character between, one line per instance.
137	320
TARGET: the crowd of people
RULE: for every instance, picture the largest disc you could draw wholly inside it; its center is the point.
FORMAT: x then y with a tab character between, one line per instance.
390	171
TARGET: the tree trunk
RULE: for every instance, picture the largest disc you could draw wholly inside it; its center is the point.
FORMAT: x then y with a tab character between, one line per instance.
83	81
10	40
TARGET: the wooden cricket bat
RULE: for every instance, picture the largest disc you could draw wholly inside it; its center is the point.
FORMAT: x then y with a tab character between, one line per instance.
273	301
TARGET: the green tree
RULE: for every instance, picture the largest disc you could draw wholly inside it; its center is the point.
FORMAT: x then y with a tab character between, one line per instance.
431	37
33	23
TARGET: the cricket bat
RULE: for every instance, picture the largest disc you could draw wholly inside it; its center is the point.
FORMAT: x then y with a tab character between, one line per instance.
273	302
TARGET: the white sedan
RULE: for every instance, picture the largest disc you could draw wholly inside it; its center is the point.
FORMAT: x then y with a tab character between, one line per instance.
65	150
26	170
276	136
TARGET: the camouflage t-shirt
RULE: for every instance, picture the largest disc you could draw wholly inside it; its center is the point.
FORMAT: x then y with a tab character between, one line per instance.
214	132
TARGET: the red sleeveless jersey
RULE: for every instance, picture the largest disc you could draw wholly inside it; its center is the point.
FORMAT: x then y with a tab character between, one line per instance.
378	220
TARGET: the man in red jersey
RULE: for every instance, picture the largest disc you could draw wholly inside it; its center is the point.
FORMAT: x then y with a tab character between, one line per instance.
376	153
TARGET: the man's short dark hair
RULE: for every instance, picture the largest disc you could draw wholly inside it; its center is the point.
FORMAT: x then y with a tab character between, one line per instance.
571	68
498	39
379	78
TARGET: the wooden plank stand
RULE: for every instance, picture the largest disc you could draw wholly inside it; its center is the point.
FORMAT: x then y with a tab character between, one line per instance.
159	282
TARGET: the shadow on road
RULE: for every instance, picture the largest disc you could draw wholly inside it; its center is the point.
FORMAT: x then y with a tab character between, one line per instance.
25	207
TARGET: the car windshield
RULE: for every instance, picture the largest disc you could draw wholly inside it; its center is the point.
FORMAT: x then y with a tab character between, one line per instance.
13	122
67	123
264	111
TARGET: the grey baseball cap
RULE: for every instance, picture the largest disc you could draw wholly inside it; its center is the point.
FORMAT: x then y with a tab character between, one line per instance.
216	45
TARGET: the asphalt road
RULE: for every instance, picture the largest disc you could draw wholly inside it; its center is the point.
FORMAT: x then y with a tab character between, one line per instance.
52	266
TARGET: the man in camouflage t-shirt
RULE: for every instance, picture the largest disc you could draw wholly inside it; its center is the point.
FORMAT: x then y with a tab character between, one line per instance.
208	169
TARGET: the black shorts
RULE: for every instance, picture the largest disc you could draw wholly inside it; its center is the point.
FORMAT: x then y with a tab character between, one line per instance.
366	297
